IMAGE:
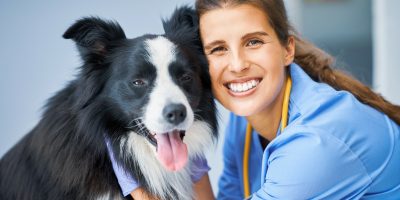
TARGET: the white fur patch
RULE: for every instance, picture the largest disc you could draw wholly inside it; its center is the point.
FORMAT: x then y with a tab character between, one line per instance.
198	138
108	196
161	55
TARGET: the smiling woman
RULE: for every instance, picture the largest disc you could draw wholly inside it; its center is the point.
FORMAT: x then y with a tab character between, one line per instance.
297	123
247	61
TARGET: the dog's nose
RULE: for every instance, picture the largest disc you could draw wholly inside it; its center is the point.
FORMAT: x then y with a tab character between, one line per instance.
174	113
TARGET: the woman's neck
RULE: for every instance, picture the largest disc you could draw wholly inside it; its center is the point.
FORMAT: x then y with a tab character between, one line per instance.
266	122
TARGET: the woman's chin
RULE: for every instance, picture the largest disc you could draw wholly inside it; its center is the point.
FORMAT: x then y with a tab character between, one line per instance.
243	109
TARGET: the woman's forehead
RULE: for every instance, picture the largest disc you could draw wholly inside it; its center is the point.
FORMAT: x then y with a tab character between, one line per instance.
226	21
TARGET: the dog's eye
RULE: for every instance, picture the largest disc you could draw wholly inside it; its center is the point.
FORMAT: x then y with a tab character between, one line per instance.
138	82
186	78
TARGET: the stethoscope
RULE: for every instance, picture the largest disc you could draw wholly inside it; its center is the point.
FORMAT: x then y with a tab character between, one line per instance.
247	142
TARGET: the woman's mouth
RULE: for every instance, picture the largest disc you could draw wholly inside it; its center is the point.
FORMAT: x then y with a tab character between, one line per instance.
243	87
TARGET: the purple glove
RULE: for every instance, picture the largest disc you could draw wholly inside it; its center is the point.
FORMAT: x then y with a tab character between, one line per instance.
129	184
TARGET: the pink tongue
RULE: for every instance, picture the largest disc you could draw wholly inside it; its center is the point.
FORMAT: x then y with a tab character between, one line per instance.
171	151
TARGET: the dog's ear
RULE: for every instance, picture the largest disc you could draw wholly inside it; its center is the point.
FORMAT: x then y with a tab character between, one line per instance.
183	26
92	35
184	17
94	38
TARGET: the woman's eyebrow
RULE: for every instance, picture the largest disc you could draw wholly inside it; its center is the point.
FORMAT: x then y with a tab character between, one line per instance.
257	33
212	44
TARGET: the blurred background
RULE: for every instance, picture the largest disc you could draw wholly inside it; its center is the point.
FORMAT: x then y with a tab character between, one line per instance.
36	62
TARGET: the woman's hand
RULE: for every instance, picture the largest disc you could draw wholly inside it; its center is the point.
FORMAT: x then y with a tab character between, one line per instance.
202	190
140	194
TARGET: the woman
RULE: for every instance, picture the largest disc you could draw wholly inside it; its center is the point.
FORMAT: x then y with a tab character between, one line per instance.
312	131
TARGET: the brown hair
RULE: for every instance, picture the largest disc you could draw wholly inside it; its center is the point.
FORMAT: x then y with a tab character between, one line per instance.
314	61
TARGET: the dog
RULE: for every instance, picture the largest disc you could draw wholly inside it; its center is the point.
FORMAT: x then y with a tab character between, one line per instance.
148	98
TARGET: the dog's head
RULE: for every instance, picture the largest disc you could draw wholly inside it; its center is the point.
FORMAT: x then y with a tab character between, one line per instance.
153	89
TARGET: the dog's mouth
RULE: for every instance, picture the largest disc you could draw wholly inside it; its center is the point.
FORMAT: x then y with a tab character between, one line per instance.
151	137
171	150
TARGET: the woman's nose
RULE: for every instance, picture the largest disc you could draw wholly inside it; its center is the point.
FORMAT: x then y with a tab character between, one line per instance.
237	62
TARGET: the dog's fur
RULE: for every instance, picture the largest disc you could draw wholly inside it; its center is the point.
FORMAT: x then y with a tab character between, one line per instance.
118	96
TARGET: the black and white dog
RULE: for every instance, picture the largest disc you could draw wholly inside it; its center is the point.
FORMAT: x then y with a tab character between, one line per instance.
148	97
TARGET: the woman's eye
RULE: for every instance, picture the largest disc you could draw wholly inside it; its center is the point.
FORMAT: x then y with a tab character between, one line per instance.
217	50
138	82
254	42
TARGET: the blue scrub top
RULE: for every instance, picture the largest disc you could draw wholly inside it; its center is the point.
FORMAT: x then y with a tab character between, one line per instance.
334	147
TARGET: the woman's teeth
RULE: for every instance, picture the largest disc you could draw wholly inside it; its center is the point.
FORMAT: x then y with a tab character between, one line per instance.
243	87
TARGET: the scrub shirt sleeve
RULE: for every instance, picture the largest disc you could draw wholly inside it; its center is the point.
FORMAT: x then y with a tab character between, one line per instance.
229	185
125	180
312	166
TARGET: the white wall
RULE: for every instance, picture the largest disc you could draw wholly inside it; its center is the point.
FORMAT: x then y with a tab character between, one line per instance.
386	32
294	9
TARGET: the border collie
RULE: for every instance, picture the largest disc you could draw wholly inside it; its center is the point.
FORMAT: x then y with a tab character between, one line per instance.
149	98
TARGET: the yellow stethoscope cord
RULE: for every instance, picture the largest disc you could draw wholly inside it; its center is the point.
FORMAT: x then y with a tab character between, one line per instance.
247	143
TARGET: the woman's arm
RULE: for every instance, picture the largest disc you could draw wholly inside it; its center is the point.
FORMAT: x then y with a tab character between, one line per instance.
312	166
203	190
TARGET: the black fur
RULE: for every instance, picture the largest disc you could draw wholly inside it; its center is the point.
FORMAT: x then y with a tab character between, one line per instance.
64	156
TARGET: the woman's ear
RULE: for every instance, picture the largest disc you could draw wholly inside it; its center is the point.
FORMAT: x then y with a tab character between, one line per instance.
290	50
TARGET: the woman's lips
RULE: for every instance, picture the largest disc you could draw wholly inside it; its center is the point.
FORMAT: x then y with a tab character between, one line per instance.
242	87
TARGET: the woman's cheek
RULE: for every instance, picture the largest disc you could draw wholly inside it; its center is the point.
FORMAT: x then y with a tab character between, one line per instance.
213	70
215	73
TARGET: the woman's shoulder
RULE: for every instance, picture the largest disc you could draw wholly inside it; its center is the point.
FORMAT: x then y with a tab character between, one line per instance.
309	163
305	145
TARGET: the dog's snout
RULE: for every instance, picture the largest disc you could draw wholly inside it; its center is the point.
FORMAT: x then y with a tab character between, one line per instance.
174	113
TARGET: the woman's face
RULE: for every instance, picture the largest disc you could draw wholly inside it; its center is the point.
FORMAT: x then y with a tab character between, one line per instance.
247	61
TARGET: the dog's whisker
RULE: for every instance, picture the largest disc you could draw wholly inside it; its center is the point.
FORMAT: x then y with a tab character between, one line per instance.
138	119
138	125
